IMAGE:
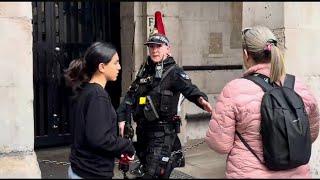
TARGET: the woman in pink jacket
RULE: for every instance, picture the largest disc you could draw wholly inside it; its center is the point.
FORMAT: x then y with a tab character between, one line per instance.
238	109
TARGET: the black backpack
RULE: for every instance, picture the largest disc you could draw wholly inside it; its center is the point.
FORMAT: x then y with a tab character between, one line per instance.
285	130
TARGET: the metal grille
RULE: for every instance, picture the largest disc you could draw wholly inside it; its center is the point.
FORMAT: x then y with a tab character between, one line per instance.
61	32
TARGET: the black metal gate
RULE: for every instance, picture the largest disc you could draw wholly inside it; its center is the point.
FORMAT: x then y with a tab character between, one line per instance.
61	32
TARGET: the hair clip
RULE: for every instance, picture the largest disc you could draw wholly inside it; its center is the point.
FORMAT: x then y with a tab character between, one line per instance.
267	47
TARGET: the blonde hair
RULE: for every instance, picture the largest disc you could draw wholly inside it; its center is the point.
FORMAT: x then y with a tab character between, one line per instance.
263	46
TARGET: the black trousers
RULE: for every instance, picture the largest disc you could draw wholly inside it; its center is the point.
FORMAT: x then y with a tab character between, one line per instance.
154	148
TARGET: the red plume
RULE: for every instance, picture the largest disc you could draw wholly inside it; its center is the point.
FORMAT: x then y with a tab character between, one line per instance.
158	23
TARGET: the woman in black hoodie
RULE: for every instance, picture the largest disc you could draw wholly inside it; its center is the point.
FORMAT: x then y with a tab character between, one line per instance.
95	140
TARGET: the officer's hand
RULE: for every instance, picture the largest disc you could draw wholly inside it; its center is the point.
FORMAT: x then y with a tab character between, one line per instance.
205	104
121	127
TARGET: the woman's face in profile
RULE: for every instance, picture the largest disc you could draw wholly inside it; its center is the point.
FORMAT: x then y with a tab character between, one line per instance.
112	68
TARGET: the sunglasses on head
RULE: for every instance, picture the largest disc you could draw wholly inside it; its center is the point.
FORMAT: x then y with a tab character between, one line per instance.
243	32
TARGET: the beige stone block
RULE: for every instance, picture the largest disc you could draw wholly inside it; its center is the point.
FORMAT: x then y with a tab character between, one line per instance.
140	9
270	14
195	129
199	11
172	27
236	25
209	11
140	30
175	53
127	9
152	7
18	38
7	128
222	27
22	120
127	67
167	9
235	41
16	63
190	11
212	82
225	12
302	15
139	56
19	165
225	60
194	32
16	9
192	55
236	11
17	119
315	159
127	30
302	58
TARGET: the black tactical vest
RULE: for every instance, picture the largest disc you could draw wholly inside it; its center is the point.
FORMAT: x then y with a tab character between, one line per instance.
164	97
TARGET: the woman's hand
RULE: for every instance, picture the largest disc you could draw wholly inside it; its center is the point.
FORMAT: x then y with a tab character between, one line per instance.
129	158
205	104
121	127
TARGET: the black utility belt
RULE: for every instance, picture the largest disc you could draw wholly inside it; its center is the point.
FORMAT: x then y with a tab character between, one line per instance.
159	127
166	128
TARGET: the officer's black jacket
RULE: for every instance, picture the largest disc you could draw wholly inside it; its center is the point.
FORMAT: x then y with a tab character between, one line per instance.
176	81
95	139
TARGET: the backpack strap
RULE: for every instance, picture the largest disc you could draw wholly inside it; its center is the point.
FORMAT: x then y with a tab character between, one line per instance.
289	81
259	81
247	145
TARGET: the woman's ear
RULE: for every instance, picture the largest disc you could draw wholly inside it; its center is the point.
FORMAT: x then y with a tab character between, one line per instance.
101	67
246	54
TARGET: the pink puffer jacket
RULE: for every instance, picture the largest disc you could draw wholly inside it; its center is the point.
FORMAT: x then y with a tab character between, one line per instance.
238	108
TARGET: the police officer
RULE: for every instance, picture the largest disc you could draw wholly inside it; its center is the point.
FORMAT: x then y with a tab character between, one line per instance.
152	101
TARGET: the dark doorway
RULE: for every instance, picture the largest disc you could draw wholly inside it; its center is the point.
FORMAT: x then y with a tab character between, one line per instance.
61	32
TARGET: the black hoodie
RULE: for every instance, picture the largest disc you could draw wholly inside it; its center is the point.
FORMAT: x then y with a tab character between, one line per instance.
95	140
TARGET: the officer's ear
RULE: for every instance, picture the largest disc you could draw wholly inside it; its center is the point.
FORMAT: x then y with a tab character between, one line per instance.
169	50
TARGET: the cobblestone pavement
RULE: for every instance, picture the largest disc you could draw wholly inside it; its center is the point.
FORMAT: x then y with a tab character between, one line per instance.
59	171
201	162
53	170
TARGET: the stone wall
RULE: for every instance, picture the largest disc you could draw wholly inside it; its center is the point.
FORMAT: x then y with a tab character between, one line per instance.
133	35
17	157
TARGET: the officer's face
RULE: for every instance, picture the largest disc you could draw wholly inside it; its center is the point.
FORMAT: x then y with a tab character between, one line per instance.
158	52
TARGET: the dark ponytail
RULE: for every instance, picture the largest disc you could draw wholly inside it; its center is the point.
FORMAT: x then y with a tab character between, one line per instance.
81	70
76	74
